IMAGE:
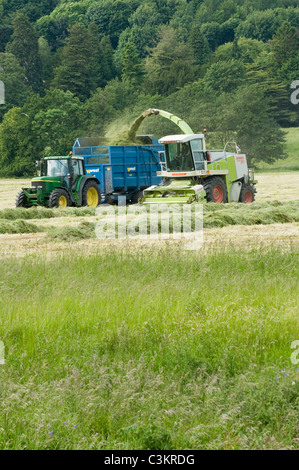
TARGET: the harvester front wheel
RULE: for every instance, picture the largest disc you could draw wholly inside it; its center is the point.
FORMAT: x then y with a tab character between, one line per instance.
136	196
21	200
59	198
91	195
215	189
246	194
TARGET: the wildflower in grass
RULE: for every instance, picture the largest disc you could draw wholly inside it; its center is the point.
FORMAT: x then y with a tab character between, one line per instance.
285	374
276	377
51	433
75	426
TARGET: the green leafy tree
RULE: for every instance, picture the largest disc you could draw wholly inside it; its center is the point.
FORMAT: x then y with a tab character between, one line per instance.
277	92
246	50
13	77
212	32
285	53
108	69
47	60
224	76
17	154
166	9
106	104
24	46
199	45
170	64
259	136
43	126
111	17
5	34
102	65
55	31
76	72
259	25
144	38
34	9
132	70
147	14
257	133
285	43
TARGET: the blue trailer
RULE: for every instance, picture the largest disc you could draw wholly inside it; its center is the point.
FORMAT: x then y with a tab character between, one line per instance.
122	170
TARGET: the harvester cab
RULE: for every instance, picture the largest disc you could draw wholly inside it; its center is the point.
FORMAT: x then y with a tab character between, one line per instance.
62	182
184	152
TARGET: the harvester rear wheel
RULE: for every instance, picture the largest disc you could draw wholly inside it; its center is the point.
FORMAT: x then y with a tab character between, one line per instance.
246	194
91	195
215	189
21	200
59	198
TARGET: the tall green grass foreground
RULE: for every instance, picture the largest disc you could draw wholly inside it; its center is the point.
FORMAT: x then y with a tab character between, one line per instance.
160	350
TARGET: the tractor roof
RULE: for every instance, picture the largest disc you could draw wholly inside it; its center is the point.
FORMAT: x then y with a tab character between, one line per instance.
68	157
182	138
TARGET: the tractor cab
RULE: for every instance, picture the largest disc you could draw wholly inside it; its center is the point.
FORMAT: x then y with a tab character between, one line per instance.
60	171
184	152
66	169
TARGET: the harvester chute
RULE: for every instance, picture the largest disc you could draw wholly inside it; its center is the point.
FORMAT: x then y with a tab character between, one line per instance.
178	121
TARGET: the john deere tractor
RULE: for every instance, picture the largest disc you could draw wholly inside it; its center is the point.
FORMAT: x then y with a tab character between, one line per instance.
63	182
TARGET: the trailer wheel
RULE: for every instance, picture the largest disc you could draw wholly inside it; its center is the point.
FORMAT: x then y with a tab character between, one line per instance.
21	200
91	195
215	189
59	198
246	194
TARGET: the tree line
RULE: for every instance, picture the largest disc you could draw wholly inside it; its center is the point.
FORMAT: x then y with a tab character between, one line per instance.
89	67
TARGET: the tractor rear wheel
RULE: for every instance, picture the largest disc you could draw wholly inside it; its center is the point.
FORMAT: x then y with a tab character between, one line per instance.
215	189
246	194
59	198
91	195
21	200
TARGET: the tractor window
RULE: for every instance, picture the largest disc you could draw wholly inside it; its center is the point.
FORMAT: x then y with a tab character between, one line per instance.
78	167
57	168
198	154
179	157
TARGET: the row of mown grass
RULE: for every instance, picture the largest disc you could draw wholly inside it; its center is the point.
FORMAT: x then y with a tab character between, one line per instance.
215	215
159	350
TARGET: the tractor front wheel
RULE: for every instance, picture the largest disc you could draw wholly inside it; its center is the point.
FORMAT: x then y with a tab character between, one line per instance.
21	200
91	195
246	194
215	189
59	198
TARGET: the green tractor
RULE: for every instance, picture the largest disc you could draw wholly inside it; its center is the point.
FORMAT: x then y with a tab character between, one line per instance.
63	182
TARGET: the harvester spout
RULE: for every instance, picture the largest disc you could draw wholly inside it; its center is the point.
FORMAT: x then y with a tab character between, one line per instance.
178	121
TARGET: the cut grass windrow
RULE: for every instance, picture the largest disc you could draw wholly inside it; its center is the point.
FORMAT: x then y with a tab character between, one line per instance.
215	215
